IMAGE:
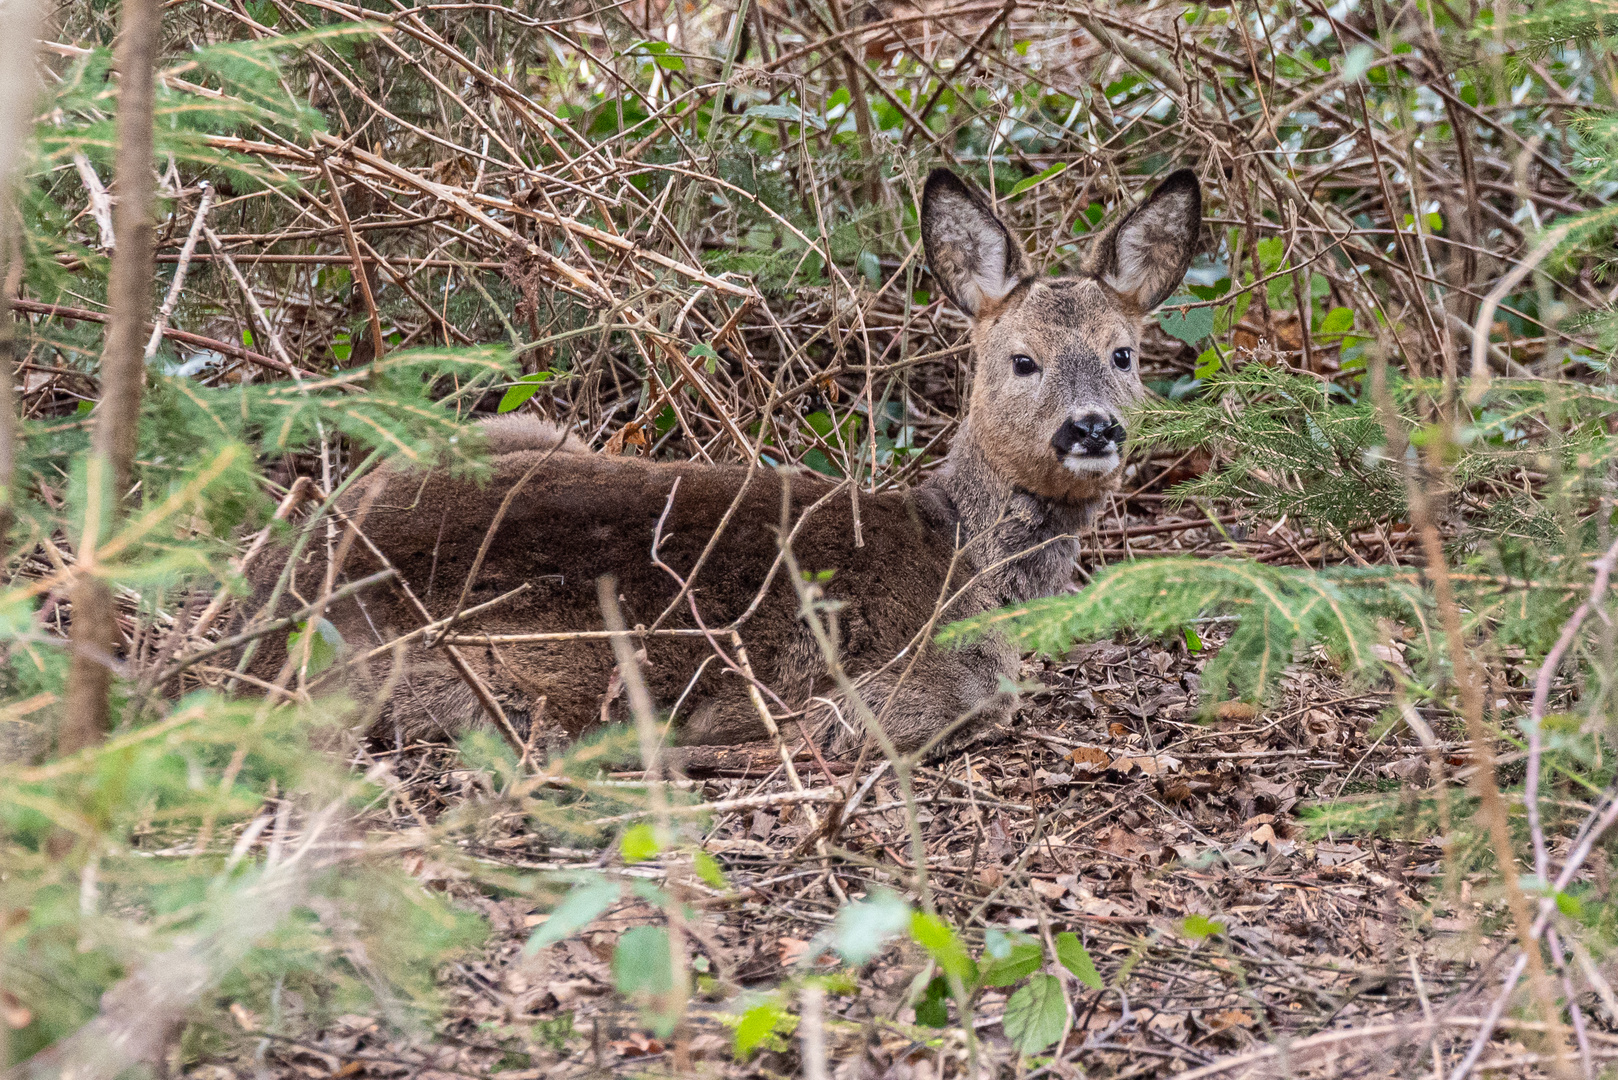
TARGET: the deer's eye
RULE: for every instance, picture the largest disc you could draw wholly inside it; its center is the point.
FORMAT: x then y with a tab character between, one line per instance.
1122	358
1023	365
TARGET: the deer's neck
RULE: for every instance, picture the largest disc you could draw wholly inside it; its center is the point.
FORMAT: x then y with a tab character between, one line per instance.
1022	545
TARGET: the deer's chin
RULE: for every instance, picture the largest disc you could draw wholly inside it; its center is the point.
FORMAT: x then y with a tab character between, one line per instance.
1090	465
1059	478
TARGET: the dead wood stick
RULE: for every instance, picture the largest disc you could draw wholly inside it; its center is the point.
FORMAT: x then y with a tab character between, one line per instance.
362	279
410	265
253	305
178	284
224	348
1169	526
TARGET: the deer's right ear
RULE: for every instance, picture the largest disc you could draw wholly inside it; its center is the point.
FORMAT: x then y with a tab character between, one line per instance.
1144	257
975	258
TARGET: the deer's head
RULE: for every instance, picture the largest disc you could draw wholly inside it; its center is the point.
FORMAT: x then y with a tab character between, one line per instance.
1057	357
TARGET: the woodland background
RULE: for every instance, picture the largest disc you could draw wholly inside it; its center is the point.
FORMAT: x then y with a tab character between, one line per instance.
1338	806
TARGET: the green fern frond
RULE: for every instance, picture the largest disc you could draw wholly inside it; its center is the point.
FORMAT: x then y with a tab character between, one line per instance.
1279	612
386	405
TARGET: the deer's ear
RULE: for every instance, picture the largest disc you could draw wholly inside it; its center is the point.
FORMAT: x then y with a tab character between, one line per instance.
975	258
1144	257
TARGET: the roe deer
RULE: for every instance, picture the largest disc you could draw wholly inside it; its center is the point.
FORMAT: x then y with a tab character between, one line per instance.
995	524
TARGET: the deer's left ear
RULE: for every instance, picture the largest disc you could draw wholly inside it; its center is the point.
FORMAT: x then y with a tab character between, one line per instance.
1143	258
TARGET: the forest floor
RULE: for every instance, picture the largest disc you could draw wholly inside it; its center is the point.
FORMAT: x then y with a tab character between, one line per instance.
1109	807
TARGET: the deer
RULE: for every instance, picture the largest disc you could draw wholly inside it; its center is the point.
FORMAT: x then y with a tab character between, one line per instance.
693	546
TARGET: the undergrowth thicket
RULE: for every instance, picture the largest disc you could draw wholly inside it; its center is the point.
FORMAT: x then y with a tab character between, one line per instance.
212	853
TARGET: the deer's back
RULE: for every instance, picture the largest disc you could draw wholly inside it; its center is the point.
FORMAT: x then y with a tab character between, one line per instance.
579	516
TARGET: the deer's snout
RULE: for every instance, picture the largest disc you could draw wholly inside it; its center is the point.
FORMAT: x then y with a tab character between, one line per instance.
1091	435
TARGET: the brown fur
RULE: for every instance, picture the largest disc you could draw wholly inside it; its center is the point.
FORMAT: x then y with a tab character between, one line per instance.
1010	501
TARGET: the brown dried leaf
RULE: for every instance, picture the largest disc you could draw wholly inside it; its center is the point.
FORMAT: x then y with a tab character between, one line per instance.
1236	710
1089	759
1050	890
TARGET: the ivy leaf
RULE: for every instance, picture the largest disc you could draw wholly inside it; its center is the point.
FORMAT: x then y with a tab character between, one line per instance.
639	843
1335	323
707	868
1358	61
584	902
870	267
1076	958
1036	1014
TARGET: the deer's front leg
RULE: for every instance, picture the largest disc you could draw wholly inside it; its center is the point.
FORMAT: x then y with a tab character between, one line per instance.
945	694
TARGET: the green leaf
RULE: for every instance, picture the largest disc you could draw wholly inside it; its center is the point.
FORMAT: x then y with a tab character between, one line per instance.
707	868
1027	182
937	937
1023	959
933	1008
523	389
787	112
639	843
1271	250
1190	325
1036	1014
757	1024
705	352
323	645
1335	323
1076	958
582	905
870	267
1200	927
1358	62
1208	364
998	943
641	962
864	927
1193	640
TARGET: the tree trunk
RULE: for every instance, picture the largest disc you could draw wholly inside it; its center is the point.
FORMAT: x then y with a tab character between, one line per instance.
19	89
112	441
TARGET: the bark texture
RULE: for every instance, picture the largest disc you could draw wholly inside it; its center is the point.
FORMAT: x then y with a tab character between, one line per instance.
112	441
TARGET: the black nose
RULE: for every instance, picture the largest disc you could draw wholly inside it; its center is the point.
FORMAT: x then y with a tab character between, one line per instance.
1092	435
